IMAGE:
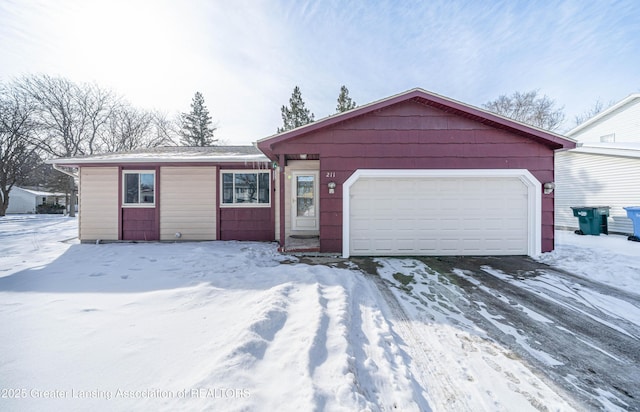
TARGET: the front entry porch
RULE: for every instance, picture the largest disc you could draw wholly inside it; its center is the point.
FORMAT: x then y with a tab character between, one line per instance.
302	244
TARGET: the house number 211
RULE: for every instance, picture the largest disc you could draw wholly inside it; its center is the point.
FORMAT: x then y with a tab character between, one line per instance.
331	174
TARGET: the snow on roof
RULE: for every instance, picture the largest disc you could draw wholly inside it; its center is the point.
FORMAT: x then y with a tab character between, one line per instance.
39	192
603	114
611	149
179	154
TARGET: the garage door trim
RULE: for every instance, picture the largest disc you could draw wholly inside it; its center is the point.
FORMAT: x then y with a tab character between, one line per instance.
534	196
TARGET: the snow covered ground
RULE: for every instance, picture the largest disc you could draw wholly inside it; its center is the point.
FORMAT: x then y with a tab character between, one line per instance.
197	326
232	326
609	259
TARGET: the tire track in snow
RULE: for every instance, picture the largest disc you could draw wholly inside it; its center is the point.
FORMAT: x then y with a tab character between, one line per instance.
534	310
456	351
379	364
442	391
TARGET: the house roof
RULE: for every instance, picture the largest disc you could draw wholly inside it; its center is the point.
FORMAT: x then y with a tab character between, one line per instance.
170	154
38	192
609	149
422	96
597	118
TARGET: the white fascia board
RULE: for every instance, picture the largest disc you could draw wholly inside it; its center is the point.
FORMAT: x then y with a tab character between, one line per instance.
534	196
619	151
225	159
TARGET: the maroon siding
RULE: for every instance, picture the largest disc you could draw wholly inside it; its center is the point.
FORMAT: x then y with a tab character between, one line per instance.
247	224
139	224
411	135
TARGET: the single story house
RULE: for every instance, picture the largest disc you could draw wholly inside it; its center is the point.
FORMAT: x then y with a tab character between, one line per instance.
23	200
413	174
603	170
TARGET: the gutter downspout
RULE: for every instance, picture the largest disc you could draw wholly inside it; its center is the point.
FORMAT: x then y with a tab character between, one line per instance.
72	200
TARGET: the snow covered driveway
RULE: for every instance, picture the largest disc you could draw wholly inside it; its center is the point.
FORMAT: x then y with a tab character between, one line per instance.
581	335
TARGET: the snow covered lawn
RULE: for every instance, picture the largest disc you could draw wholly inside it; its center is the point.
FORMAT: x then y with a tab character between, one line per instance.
226	326
215	325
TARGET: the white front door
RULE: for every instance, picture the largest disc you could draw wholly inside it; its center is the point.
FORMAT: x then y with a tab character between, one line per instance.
304	198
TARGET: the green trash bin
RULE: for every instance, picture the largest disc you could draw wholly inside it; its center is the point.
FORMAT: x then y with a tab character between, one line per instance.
592	219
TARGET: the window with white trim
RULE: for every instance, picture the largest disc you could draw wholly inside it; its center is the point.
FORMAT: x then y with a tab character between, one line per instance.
245	188
139	188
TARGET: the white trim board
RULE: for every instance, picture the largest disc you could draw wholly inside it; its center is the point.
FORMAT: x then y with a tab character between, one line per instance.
534	196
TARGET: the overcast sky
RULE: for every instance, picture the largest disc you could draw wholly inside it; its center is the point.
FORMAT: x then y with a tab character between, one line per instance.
246	56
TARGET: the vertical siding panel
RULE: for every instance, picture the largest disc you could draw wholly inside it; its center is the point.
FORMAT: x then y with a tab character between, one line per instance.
188	203
99	206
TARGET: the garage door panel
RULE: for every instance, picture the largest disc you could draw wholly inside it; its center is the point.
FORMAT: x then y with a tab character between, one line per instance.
443	216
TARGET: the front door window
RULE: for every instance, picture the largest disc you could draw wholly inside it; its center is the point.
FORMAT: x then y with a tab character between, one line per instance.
305	196
305	210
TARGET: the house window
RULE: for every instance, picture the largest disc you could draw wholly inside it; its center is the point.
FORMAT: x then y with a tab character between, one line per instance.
244	188
609	138
139	188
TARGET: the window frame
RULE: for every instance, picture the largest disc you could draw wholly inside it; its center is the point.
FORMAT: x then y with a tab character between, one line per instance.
124	188
233	173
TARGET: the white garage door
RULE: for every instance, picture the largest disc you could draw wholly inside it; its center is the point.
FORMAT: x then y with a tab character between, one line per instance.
438	216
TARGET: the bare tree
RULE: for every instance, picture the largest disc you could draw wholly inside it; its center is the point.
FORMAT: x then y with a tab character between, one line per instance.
530	108
69	117
164	131
16	149
127	128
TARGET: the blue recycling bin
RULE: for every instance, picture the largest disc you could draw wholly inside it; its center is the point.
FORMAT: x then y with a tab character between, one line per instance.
633	213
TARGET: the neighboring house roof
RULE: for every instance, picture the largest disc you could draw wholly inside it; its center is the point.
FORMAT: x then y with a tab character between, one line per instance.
170	154
609	149
38	192
422	96
631	99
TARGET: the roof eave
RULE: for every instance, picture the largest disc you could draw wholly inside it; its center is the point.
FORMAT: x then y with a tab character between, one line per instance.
78	162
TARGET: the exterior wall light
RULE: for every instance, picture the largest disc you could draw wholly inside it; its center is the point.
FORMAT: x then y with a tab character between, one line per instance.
548	187
332	187
303	156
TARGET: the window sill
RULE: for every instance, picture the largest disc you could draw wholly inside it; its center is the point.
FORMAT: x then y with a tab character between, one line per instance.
245	205
139	205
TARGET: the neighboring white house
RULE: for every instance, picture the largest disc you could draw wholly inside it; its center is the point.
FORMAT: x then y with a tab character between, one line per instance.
604	170
26	201
618	124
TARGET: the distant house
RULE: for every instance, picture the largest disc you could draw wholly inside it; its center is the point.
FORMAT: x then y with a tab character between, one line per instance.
618	124
412	174
604	169
23	200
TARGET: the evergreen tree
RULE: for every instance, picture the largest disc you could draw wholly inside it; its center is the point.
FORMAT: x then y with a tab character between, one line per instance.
296	114
344	101
195	126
